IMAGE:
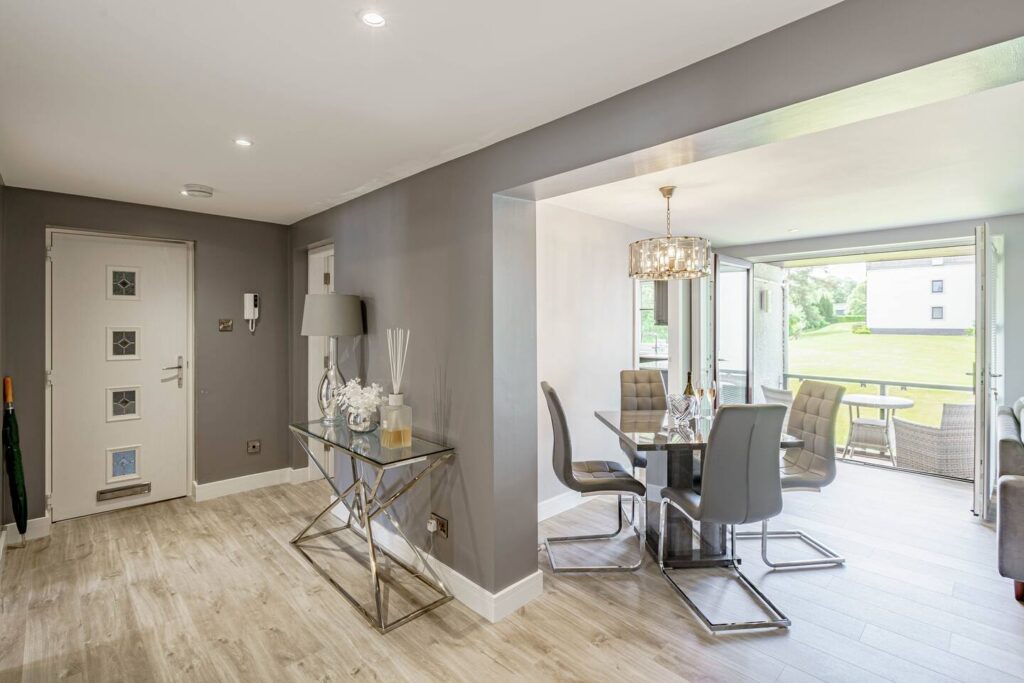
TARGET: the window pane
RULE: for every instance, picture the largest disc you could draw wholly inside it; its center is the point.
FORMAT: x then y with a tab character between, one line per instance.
647	295
651	334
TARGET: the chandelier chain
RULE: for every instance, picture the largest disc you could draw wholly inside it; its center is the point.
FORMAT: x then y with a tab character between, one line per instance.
668	214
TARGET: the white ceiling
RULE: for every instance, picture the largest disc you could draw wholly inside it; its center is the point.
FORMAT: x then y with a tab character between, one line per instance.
130	99
956	160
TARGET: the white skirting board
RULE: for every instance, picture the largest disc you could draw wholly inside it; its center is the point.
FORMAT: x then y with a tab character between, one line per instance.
38	527
558	504
300	475
225	487
491	606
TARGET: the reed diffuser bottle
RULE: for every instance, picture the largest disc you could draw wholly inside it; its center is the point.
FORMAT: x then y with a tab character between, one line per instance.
395	416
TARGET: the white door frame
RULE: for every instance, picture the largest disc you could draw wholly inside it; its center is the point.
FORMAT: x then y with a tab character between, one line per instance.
190	347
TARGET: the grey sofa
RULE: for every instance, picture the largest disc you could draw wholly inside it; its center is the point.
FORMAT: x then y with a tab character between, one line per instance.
1011	497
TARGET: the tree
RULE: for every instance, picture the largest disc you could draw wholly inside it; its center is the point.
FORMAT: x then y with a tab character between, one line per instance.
796	323
858	300
828	313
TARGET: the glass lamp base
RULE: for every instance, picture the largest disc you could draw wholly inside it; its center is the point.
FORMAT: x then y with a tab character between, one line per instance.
328	396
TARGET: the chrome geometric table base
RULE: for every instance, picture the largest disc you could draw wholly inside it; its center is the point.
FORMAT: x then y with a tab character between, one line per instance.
364	508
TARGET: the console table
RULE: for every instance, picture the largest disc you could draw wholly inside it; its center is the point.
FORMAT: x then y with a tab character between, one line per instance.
365	501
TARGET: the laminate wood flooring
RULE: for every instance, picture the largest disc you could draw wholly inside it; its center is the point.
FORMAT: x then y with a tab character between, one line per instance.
213	592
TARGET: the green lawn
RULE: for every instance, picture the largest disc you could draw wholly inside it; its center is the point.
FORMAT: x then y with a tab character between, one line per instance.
935	359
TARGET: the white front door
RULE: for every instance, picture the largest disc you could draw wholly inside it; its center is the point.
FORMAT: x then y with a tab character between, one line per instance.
321	281
119	352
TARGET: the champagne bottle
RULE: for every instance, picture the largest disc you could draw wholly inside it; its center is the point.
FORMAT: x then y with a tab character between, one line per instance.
688	391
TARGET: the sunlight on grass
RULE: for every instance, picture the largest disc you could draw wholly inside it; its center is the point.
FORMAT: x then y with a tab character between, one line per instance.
834	351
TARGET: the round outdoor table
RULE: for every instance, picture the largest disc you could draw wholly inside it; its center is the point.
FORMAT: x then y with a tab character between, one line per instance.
866	432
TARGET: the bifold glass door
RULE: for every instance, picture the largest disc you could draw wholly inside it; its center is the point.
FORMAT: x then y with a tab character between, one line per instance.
733	282
988	380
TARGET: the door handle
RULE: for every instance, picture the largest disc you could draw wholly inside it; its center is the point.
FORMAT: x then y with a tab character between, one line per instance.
180	368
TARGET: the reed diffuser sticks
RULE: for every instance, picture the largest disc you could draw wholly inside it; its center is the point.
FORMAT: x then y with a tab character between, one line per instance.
396	417
398	349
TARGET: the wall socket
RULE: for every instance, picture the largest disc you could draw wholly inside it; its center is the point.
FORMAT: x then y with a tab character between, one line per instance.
442	524
253	446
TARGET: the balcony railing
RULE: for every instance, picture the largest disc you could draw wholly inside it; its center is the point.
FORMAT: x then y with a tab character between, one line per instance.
927	410
882	384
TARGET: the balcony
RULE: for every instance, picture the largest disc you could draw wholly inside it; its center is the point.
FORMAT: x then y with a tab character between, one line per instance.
928	401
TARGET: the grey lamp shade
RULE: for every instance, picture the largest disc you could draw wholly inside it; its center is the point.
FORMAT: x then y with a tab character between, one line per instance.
332	315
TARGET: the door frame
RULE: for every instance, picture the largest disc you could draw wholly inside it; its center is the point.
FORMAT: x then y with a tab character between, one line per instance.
319	250
735	262
190	347
988	367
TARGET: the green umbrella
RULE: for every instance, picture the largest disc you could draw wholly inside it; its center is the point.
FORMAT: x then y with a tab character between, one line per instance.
12	458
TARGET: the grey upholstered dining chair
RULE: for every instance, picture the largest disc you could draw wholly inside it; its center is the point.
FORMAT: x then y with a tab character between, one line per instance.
639	390
810	468
740	484
783	396
590	478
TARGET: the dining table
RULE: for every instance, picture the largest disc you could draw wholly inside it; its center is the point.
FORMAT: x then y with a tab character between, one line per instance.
674	457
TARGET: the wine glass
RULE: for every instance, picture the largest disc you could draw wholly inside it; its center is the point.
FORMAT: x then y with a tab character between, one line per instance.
712	392
700	401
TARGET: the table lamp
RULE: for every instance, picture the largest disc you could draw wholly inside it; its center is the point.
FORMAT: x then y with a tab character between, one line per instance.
332	316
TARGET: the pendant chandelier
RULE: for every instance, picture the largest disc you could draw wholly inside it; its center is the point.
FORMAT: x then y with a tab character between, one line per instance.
668	257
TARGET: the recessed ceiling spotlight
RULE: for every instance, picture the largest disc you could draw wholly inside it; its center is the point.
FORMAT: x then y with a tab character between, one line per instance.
198	191
794	230
373	19
243	142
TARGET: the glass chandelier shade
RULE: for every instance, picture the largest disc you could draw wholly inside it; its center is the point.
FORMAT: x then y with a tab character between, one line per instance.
669	258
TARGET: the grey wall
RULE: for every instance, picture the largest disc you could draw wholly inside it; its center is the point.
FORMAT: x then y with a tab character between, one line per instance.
241	379
1011	227
436	253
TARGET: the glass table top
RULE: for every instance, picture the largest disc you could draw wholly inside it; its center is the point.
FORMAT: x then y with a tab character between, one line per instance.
366	446
653	430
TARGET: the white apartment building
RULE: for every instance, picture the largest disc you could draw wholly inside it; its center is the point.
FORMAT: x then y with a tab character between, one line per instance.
921	296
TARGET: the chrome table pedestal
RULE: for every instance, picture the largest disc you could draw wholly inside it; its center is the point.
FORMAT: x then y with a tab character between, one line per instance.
365	501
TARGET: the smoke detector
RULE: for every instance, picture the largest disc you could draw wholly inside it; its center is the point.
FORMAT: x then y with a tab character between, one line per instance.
194	190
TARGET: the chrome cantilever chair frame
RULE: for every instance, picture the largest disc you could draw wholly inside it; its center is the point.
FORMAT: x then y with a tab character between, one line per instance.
828	557
828	398
780	620
640	533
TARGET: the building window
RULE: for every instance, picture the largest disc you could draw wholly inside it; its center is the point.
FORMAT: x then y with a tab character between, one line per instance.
937	313
937	286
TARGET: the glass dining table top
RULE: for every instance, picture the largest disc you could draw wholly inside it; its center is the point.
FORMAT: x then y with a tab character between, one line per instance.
366	446
654	430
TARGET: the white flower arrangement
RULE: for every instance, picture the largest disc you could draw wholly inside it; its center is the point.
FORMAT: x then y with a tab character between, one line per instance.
363	401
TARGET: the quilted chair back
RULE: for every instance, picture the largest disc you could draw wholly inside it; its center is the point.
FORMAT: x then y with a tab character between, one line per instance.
642	390
813	420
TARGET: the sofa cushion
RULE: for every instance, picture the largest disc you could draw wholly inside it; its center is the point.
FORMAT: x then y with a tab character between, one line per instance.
1010	527
1011	449
1018	408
